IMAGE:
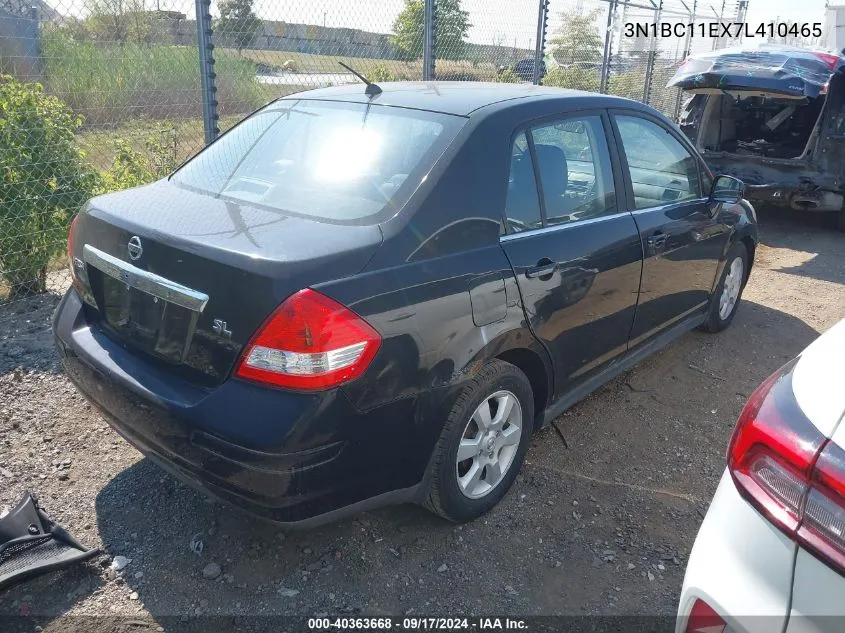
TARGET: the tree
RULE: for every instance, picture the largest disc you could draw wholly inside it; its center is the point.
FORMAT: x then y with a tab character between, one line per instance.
237	22
43	182
452	27
119	21
578	39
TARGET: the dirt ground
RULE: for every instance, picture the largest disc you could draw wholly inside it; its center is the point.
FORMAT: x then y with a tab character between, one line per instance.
599	524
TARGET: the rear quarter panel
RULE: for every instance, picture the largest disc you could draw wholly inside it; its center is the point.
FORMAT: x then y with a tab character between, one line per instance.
431	345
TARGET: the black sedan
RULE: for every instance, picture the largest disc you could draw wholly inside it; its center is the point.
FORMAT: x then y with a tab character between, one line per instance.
351	299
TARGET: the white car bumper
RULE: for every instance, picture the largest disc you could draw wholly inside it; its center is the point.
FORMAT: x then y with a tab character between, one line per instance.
740	565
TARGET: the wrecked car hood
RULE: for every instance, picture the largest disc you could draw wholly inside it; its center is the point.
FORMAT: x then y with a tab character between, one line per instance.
771	69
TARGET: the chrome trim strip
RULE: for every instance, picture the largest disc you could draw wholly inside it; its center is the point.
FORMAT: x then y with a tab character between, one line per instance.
661	207
561	227
144	281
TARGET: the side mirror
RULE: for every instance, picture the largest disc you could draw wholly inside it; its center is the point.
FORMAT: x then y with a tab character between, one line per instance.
727	189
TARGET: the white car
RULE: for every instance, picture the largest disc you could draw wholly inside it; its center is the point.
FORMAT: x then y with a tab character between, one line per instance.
770	554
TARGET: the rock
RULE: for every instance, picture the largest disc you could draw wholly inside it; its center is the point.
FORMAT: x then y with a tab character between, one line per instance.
650	576
631	566
196	545
442	568
133	595
139	575
510	590
211	571
287	593
119	563
307	551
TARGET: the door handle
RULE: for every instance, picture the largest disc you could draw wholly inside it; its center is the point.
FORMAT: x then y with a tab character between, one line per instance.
657	241
544	268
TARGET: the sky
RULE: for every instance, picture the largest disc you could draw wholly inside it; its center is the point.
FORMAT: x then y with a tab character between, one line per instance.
506	22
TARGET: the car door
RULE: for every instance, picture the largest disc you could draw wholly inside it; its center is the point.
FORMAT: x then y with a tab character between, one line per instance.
576	256
682	235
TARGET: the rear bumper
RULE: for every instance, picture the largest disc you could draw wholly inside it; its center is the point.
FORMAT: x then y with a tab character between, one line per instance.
296	459
741	565
798	184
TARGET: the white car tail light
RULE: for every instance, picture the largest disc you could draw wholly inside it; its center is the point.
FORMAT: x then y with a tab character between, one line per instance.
789	471
310	342
704	619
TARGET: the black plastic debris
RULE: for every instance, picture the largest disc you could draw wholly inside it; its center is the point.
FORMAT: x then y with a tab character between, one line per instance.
31	543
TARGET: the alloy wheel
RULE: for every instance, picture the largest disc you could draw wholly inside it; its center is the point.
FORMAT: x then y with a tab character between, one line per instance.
489	444
731	288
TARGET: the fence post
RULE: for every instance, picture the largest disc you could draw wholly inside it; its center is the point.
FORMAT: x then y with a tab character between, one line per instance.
429	35
687	47
652	57
207	75
540	48
37	69
606	54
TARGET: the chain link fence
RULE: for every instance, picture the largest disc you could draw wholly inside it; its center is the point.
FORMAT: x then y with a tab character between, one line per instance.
101	95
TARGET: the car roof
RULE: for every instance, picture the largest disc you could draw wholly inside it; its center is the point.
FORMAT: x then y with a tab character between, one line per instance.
453	97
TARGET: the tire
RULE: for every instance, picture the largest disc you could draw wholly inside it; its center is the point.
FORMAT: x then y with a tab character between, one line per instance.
446	496
717	318
840	220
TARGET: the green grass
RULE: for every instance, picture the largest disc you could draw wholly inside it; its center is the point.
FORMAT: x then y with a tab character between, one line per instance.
184	136
401	70
110	84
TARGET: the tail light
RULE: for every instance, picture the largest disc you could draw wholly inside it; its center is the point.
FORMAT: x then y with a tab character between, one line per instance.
789	471
74	278
310	342
828	59
70	233
703	618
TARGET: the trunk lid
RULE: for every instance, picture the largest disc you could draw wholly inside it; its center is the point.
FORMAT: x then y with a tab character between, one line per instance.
764	69
817	382
203	272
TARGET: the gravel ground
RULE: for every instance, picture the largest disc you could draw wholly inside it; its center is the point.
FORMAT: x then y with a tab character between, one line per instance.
600	522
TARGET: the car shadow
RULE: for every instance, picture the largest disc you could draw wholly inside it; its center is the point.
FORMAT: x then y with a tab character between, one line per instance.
792	230
173	533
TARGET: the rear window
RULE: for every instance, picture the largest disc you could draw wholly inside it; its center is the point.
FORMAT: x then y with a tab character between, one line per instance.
340	162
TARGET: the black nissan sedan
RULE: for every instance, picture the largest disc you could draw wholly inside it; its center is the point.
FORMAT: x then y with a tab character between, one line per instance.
355	299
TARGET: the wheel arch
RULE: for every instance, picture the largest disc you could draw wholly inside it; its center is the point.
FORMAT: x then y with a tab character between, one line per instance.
520	348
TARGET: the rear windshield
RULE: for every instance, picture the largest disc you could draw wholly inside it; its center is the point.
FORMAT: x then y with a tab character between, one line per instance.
341	162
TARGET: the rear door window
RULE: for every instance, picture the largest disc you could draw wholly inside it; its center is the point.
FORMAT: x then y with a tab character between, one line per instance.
343	162
575	172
